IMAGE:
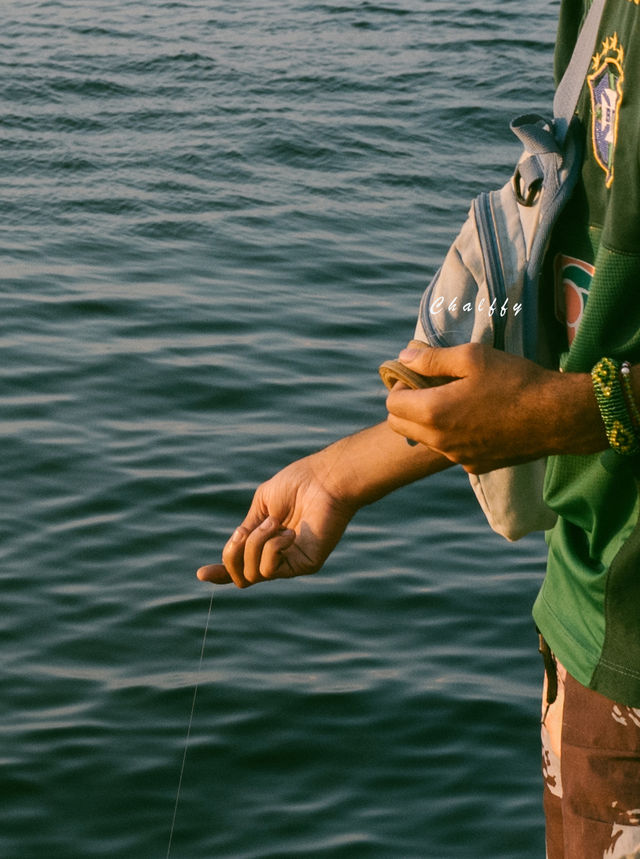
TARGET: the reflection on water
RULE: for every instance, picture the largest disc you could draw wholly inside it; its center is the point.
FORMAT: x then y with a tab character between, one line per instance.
218	221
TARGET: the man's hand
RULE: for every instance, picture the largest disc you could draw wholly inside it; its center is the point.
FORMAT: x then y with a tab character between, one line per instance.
499	409
297	518
292	526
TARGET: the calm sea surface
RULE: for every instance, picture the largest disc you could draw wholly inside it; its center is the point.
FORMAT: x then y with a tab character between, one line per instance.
217	220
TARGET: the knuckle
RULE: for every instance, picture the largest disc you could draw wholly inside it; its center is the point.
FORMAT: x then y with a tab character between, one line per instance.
473	354
226	555
434	415
269	562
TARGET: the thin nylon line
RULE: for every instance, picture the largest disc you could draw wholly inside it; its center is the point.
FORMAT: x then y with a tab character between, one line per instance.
186	742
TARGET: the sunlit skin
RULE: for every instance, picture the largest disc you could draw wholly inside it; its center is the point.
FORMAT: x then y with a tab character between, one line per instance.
298	516
499	409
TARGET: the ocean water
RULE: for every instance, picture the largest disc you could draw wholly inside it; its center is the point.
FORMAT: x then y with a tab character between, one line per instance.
217	221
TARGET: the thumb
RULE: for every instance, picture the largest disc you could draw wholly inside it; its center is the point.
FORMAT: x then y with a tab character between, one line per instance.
448	362
214	573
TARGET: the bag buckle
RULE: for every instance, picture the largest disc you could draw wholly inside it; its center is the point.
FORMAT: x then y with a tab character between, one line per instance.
526	192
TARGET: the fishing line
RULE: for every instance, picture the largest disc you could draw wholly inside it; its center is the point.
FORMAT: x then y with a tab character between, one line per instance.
186	742
332	467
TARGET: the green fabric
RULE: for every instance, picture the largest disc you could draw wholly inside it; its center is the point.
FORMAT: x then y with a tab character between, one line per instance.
589	605
616	675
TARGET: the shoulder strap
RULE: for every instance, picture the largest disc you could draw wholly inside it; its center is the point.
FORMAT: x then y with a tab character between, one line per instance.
570	87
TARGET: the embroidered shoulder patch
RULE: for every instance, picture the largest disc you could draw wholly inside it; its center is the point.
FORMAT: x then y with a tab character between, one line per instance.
572	281
605	84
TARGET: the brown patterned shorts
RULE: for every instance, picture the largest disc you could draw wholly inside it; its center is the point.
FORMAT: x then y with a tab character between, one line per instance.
591	769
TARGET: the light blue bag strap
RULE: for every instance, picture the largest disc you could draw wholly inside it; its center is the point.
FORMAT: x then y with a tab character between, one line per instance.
569	88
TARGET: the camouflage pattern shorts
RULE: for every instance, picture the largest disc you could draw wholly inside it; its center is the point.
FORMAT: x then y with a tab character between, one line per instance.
591	769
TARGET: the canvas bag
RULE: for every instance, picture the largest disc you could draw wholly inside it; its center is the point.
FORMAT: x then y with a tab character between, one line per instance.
486	290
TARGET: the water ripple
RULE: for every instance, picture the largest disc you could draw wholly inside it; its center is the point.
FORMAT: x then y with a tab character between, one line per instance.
218	221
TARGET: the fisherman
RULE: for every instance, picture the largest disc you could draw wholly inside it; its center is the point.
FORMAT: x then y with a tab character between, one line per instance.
499	410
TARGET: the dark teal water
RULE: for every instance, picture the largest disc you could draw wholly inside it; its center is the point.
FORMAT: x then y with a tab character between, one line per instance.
209	210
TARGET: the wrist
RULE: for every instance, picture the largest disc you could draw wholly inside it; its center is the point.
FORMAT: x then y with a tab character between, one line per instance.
575	420
362	468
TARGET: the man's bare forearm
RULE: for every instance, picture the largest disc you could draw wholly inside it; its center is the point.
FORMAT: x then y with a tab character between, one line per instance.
297	517
368	465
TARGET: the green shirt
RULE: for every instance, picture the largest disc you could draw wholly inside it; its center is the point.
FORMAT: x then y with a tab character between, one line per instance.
589	606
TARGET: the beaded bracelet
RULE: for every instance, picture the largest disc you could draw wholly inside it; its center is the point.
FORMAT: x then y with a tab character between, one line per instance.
632	405
613	409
